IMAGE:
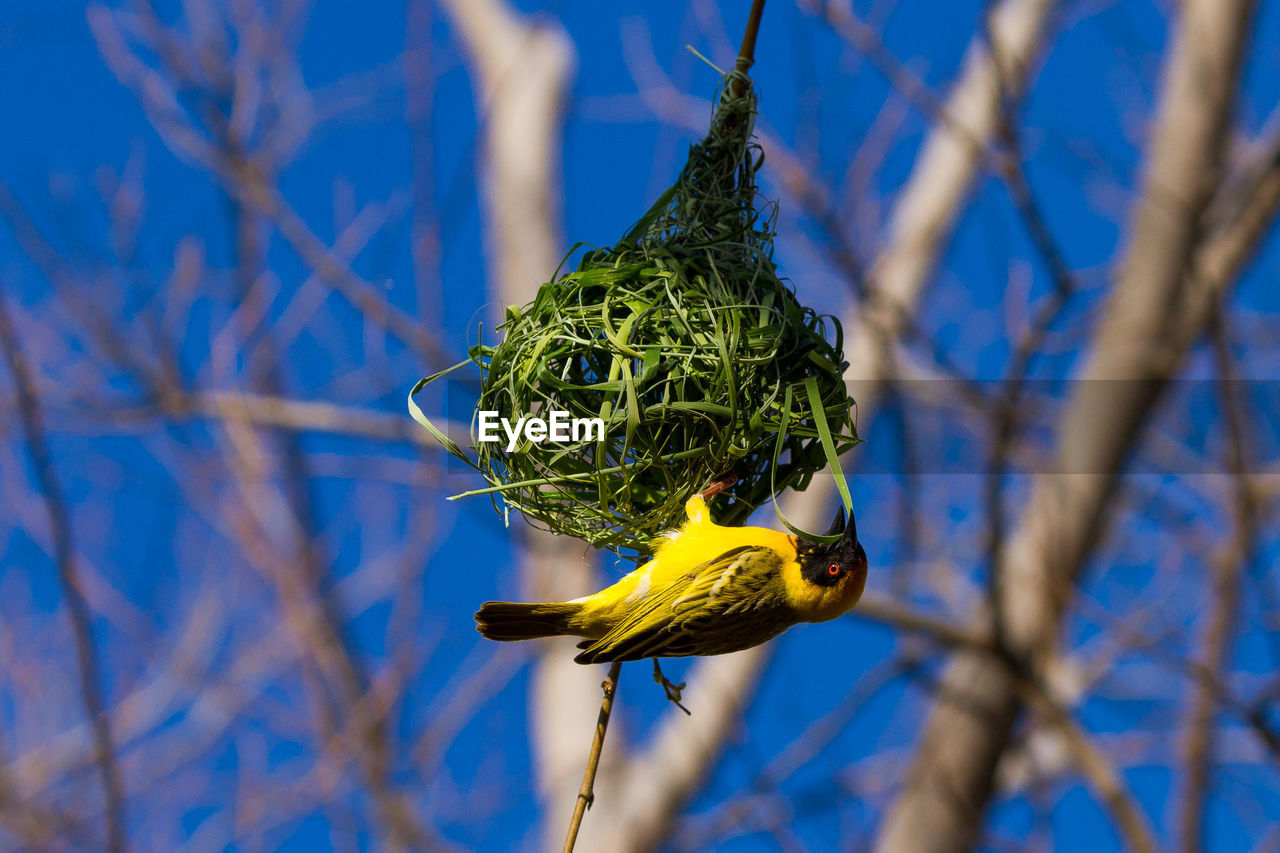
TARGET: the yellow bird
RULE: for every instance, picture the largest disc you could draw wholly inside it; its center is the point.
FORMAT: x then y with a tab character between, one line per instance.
708	590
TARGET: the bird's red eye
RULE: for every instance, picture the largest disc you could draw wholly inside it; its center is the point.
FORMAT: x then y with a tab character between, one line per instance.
833	569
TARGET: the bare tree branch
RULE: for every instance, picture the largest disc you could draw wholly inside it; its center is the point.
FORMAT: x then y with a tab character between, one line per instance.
1101	773
1143	336
69	582
304	416
1227	568
927	208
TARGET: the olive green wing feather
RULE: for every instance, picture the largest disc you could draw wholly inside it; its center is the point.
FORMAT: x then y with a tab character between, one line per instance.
731	602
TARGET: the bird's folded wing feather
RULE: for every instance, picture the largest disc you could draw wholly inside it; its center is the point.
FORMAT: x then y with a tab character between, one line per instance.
668	621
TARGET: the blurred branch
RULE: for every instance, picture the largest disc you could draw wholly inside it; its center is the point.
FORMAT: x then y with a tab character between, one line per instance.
356	726
703	831
1130	820
246	180
876	608
863	38
1005	415
1251	713
305	416
949	164
222	149
1227	568
69	582
872	303
351	712
35	827
521	72
229	106
1149	324
458	703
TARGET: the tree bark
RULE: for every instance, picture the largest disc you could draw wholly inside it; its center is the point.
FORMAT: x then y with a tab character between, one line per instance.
1150	322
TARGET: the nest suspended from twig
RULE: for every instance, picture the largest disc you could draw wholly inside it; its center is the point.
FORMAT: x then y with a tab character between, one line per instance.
686	343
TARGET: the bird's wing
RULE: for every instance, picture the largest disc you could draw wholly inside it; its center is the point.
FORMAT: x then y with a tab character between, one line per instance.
682	618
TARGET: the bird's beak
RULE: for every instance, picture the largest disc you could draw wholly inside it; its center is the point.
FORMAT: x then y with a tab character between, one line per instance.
837	526
851	531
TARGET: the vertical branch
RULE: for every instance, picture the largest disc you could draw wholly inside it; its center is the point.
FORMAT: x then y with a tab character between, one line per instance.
69	583
586	794
747	53
1145	332
1227	567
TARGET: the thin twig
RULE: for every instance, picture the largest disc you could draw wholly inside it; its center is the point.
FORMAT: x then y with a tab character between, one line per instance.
1106	780
747	53
301	415
1227	568
746	58
308	588
68	578
586	794
1006	418
864	39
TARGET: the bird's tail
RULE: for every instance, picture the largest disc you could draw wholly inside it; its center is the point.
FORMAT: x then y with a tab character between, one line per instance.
507	620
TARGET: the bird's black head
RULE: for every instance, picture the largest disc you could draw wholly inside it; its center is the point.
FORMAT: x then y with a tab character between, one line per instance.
828	565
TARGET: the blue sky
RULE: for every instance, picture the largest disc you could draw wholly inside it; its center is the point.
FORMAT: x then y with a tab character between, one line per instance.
68	119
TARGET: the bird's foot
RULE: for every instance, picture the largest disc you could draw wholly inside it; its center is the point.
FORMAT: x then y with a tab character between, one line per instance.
675	692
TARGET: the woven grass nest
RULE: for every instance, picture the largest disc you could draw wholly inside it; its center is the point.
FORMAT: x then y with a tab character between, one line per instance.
683	339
